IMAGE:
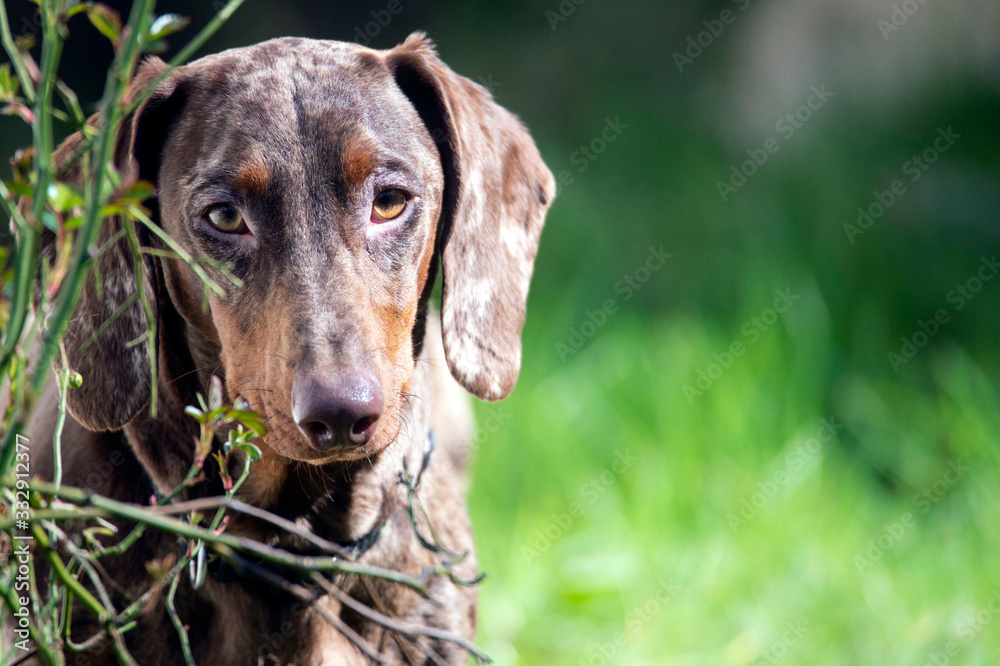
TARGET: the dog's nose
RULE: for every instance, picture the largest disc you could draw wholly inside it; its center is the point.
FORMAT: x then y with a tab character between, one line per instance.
337	412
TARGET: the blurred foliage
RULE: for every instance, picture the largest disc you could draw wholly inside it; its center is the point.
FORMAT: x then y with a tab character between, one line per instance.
555	442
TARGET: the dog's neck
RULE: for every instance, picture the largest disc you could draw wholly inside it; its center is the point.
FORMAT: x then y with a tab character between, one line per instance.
340	501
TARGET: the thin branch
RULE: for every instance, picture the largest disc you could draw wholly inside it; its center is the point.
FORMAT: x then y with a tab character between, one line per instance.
255	512
136	607
182	633
225	544
309	597
407	629
74	586
151	318
83	557
185	256
63	376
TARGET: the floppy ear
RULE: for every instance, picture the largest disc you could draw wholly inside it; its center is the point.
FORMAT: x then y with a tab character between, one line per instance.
114	366
497	190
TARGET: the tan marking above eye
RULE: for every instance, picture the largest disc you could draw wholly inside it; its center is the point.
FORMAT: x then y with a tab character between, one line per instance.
389	204
225	218
252	177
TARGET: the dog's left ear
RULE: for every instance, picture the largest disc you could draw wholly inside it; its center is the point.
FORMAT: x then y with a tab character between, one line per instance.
101	337
496	193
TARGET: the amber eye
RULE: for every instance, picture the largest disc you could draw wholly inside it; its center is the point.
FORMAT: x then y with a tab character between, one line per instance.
225	218
389	204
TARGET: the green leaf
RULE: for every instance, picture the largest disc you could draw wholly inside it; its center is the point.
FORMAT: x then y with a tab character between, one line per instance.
165	25
64	198
218	415
135	195
113	209
76	9
50	221
8	83
250	420
198	415
21	189
252	451
106	20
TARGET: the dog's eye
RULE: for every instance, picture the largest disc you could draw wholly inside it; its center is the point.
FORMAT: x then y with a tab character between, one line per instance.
225	218
389	204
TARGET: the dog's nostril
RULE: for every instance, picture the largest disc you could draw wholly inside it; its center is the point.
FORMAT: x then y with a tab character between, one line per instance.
363	428
319	432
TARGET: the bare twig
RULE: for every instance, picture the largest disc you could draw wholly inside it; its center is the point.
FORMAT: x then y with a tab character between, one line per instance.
310	597
255	512
92	505
182	633
63	377
407	629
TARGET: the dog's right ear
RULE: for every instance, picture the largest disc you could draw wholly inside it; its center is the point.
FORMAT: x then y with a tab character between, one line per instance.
102	339
497	190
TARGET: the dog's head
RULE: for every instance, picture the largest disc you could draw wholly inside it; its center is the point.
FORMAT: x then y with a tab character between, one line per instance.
332	179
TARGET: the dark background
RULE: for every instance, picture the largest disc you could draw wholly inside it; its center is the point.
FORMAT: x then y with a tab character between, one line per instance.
625	518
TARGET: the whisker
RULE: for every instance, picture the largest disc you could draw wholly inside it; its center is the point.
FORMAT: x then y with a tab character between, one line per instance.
190	372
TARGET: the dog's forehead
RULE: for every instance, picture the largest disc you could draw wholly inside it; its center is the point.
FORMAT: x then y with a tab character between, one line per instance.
298	86
289	63
292	105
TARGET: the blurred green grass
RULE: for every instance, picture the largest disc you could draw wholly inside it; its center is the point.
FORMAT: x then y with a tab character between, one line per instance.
667	517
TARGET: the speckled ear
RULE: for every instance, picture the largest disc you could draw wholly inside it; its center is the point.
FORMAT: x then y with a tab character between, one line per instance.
102	337
497	191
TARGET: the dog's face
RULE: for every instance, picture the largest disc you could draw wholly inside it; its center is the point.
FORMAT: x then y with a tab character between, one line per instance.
312	175
319	172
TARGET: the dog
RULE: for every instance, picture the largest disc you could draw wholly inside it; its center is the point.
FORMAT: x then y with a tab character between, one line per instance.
334	180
